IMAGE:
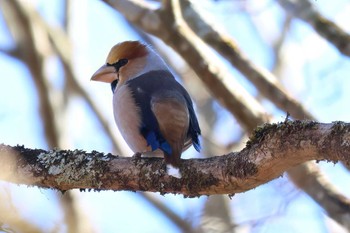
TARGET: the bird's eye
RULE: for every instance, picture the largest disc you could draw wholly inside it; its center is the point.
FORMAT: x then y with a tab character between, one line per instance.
117	65
122	62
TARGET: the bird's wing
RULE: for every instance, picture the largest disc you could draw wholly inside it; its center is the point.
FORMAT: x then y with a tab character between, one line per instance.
171	111
149	89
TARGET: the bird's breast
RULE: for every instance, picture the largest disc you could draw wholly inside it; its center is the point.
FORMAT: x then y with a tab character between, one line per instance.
127	116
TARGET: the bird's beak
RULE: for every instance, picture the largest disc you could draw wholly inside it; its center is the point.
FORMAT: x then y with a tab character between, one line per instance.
105	74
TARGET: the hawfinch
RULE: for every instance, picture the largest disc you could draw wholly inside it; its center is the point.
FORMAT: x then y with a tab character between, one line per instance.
153	112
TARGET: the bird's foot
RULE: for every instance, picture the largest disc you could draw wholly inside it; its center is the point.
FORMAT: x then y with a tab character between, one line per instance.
136	158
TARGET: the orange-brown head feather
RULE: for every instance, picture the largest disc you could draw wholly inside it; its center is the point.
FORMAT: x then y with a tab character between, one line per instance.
127	50
139	57
133	51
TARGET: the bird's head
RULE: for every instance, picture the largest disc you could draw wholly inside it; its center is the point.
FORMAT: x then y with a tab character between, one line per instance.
128	60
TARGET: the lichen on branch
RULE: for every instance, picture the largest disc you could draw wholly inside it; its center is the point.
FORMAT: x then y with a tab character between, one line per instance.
271	150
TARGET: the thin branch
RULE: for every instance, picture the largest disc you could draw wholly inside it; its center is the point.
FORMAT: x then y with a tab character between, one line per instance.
339	209
273	149
182	224
263	80
71	219
305	10
31	47
36	34
75	215
278	45
60	44
10	216
221	221
13	52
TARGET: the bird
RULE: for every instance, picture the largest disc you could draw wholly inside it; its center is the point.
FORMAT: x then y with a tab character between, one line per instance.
153	112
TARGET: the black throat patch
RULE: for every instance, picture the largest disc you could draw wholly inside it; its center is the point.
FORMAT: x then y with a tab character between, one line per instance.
114	85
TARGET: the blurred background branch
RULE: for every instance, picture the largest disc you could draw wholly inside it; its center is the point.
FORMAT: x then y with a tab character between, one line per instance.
329	30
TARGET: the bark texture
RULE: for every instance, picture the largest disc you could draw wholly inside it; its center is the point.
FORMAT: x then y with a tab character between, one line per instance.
271	150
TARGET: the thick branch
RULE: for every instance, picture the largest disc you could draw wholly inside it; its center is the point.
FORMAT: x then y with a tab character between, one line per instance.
161	23
273	149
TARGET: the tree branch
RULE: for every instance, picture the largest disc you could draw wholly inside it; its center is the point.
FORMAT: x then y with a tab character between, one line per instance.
336	204
273	149
33	49
330	31
263	80
166	24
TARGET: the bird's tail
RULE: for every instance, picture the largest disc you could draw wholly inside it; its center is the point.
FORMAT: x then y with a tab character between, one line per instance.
173	163
173	159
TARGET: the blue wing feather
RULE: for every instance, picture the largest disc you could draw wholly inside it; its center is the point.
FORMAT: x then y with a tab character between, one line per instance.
157	142
152	140
165	146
